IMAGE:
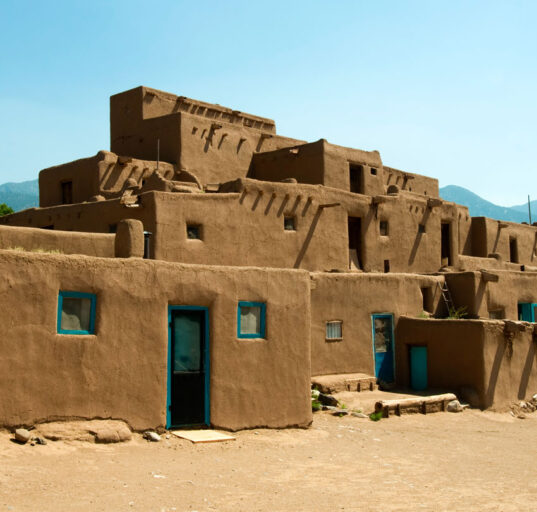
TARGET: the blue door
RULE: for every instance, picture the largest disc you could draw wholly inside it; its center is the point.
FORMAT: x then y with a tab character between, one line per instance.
188	366
383	341
418	368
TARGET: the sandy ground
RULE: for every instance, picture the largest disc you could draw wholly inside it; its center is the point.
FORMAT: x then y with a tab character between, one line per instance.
444	461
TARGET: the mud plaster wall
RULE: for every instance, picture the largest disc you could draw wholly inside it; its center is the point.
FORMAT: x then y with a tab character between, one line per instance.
410	182
31	239
510	366
464	355
455	354
352	299
208	145
248	229
82	173
482	297
103	174
121	371
98	217
490	237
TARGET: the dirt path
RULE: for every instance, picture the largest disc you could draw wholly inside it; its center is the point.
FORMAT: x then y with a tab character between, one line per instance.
467	461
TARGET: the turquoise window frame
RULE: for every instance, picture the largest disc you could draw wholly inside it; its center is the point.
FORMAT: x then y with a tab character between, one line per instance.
262	323
76	295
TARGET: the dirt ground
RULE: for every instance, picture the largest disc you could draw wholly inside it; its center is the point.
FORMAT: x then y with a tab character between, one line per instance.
467	461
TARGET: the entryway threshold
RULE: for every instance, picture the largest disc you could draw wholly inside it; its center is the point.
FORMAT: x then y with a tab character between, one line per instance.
203	436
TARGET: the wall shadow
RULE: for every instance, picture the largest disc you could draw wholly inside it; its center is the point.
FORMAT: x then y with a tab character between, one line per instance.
494	372
308	238
417	239
526	372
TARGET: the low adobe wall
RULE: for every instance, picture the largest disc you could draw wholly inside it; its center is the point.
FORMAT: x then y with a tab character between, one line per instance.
66	242
352	299
121	371
476	359
483	298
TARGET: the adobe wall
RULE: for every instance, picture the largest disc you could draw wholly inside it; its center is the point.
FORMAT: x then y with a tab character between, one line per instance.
320	163
417	183
121	371
213	142
82	173
44	240
473	358
352	299
455	355
491	236
247	228
482	297
103	174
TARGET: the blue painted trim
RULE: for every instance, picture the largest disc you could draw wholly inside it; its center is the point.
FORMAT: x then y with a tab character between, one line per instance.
76	295
206	365
263	306
527	310
383	315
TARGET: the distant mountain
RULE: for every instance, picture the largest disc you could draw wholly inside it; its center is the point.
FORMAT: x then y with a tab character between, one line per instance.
479	207
20	195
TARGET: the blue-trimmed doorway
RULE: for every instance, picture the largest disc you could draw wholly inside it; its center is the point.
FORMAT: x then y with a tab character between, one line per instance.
188	366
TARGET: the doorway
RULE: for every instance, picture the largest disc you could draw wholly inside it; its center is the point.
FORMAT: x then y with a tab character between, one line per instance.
355	242
445	251
383	341
356	178
188	366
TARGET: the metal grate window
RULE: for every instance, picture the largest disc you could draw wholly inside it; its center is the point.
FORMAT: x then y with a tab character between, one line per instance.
334	330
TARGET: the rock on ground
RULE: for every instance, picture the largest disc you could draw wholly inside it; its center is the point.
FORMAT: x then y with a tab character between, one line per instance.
22	435
98	431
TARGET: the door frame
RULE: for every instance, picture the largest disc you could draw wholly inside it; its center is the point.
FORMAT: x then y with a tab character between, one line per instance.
206	363
383	315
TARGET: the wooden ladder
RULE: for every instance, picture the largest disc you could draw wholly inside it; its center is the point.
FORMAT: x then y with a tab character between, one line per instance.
446	295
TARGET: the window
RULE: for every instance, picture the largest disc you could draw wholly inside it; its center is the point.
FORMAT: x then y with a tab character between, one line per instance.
251	320
383	228
76	313
421	228
386	266
513	249
373	171
112	228
193	231
334	330
289	224
67	192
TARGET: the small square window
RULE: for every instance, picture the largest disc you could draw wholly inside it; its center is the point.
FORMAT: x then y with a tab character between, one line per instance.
76	313
497	314
383	228
193	231
112	228
334	330
421	228
373	171
289	224
251	320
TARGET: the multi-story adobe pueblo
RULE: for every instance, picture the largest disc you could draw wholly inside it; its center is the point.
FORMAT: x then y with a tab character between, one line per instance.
204	269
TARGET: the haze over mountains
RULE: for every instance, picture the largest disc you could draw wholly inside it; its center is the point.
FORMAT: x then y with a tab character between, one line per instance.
26	195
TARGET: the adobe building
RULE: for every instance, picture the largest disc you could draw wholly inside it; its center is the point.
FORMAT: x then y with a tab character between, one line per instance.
204	269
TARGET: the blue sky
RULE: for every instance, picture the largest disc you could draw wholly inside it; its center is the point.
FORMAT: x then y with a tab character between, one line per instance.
446	89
